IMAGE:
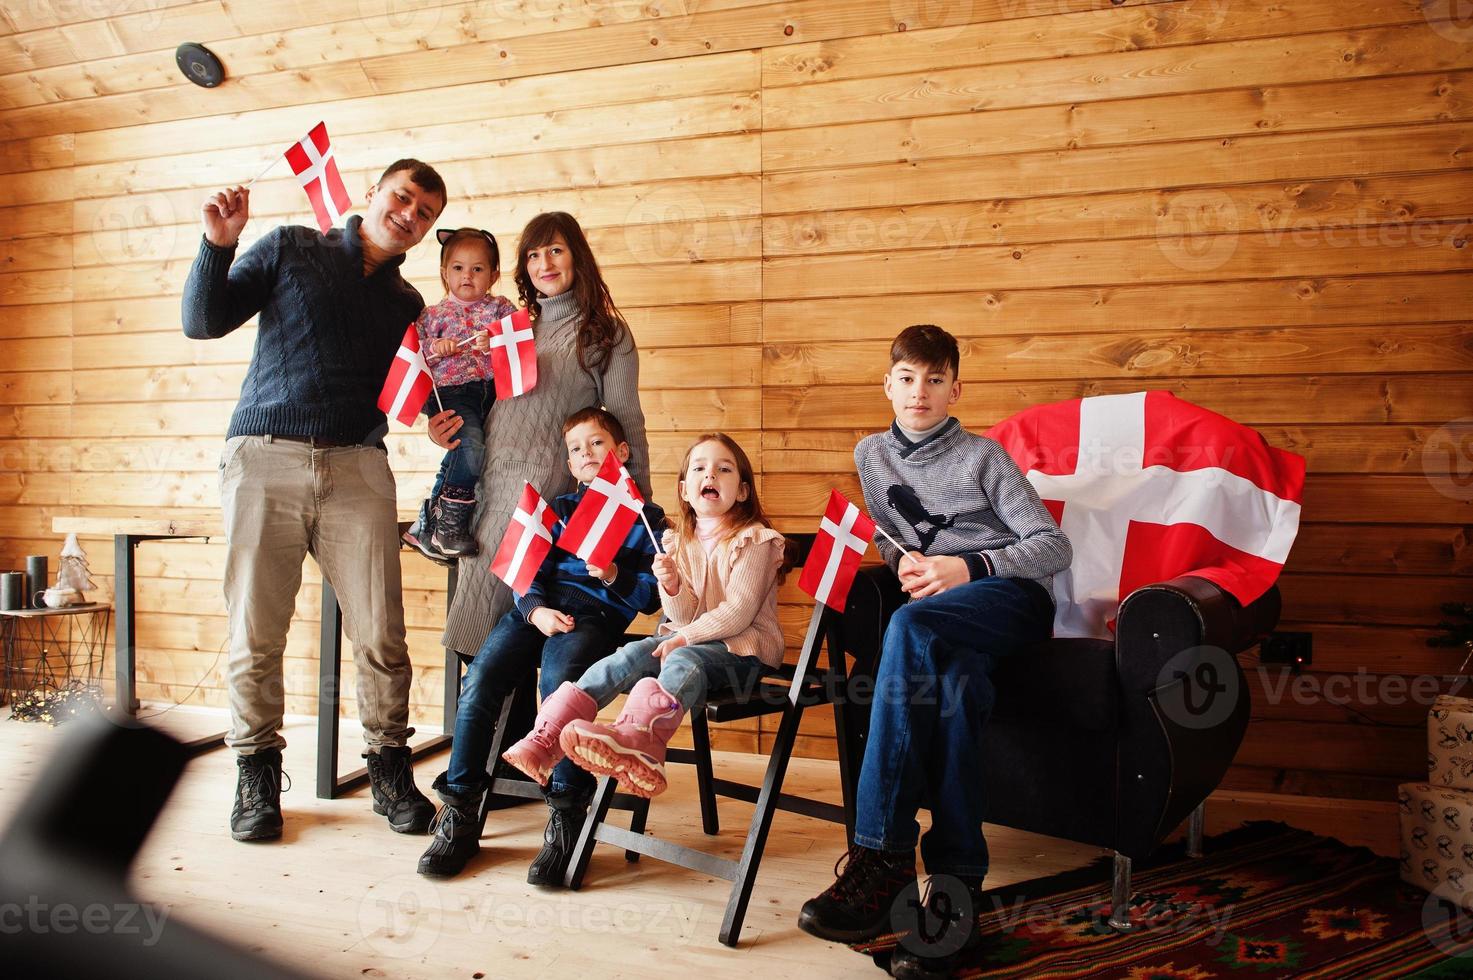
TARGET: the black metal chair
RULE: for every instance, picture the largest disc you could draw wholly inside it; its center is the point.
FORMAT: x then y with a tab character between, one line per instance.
787	693
1110	743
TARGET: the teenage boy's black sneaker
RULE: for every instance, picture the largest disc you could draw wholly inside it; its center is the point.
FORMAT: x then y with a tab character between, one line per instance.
257	811
564	820
394	794
945	930
858	905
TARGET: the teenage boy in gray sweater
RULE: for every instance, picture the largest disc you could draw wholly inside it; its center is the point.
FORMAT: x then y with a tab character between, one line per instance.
982	551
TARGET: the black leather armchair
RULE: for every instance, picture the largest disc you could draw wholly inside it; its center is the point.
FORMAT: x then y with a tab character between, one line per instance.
1111	743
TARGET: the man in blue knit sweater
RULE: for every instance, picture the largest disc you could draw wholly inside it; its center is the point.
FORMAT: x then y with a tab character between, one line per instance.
981	554
304	470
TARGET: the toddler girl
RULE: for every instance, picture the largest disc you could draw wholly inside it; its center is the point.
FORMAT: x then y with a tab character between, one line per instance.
455	332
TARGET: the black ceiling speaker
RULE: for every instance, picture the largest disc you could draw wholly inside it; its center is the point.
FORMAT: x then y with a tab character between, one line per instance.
199	64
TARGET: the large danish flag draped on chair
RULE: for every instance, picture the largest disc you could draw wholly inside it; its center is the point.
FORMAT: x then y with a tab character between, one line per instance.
1149	487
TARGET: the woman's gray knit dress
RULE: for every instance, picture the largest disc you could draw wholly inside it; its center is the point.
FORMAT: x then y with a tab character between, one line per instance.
524	444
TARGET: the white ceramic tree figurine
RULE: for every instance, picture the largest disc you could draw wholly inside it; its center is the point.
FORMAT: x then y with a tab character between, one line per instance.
73	573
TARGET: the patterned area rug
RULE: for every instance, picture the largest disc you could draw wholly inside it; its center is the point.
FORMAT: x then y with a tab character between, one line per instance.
1264	901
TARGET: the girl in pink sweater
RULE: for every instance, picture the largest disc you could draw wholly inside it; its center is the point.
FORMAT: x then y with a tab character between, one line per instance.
718	578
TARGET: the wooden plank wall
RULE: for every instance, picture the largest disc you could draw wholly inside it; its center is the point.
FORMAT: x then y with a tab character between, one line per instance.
1262	206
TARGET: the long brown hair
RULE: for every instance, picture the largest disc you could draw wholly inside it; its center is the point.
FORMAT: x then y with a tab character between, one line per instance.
743	513
602	326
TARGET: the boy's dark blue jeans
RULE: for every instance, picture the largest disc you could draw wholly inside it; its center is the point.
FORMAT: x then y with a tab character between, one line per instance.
461	466
933	696
514	648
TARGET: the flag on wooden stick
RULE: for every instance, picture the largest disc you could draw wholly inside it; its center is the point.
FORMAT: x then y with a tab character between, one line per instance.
513	355
409	383
844	533
316	168
604	516
527	541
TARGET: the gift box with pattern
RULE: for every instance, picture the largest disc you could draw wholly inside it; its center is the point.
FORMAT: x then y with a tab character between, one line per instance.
1450	743
1437	840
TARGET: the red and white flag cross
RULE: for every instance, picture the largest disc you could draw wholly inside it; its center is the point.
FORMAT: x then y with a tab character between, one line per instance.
602	519
1149	487
409	383
317	171
527	541
513	355
843	535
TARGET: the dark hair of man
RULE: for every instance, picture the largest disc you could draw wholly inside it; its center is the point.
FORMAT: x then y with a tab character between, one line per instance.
422	174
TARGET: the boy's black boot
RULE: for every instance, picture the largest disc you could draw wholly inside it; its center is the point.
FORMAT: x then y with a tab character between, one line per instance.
453	527
944	931
564	820
455	834
420	533
858	905
395	796
257	811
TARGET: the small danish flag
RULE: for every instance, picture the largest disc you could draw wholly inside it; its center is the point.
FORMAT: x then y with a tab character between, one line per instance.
527	541
602	519
844	533
317	171
513	355
409	383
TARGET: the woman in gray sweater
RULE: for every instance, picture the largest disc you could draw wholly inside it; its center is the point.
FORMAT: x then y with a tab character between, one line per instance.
585	356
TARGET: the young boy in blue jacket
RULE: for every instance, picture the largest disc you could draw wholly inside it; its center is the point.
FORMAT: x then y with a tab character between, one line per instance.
981	553
573	615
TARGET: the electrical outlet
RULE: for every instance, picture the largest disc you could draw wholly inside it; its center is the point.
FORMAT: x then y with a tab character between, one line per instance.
1289	648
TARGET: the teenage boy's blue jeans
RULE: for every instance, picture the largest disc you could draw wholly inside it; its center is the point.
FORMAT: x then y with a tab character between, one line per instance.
514	648
933	696
461	466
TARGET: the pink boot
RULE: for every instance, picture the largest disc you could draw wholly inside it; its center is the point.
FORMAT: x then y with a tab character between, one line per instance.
536	754
633	748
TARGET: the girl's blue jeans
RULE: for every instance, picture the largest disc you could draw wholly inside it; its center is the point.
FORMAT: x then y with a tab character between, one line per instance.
687	672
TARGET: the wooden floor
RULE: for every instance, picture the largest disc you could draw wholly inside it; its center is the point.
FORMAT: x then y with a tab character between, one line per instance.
338	896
